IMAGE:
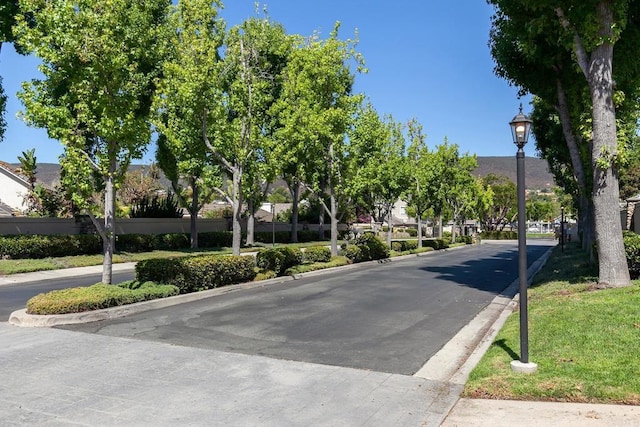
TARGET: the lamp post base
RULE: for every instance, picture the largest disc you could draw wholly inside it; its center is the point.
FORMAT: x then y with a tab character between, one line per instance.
523	368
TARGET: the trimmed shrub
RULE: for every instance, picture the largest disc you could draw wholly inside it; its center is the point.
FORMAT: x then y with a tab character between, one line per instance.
285	236
436	244
293	256
215	239
192	274
632	250
271	259
376	248
279	259
410	245
175	241
368	247
413	232
336	261
76	300
465	239
499	235
353	254
317	254
267	236
39	246
136	242
404	245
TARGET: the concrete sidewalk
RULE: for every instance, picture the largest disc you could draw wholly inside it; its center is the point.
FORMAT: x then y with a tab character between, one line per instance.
45	379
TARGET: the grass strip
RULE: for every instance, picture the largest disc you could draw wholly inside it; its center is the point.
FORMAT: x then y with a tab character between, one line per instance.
585	340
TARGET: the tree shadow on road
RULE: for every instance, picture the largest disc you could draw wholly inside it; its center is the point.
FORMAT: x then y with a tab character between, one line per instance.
490	273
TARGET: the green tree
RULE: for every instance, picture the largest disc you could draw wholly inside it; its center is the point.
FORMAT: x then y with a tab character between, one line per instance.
255	52
504	209
419	193
586	33
28	169
457	187
380	174
313	113
190	95
541	208
100	61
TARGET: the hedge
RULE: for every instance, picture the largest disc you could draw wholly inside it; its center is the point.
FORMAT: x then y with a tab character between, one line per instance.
436	244
279	259
42	246
404	245
367	247
632	250
191	274
499	235
76	300
285	236
39	246
271	260
317	254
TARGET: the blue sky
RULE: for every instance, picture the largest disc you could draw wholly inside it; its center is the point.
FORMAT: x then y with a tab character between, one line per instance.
426	59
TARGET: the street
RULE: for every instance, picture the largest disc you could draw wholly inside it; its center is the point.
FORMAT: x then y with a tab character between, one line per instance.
390	317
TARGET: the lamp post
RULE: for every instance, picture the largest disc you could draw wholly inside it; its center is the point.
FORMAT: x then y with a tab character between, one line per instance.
520	129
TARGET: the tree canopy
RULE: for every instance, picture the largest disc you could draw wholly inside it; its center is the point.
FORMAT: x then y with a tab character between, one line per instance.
563	52
100	61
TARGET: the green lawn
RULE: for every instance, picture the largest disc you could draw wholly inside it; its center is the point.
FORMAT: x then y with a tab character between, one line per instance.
13	266
585	340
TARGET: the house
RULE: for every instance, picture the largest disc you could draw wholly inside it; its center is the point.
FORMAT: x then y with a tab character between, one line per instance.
12	190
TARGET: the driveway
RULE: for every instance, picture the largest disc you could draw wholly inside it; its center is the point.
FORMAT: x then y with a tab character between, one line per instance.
390	317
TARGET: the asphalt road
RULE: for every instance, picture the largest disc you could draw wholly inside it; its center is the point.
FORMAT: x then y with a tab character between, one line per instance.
15	297
391	317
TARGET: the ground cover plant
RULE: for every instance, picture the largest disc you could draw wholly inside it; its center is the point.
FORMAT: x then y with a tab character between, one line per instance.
585	340
76	300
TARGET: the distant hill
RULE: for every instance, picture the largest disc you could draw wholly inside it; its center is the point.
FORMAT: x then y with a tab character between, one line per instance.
536	171
537	174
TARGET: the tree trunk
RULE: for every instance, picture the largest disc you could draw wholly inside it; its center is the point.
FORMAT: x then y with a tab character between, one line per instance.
419	221
585	214
193	212
321	225
237	210
251	222
440	227
295	193
109	242
389	226
453	228
613	269
334	224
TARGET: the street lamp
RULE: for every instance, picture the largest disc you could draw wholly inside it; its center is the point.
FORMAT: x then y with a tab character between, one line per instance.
520	129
